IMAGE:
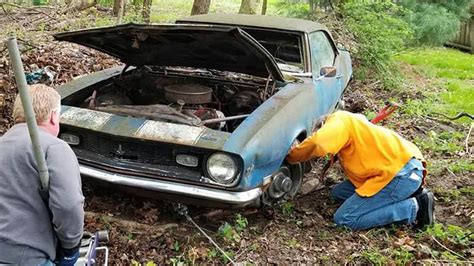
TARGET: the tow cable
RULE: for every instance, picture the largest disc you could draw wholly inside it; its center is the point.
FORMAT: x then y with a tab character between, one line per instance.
183	210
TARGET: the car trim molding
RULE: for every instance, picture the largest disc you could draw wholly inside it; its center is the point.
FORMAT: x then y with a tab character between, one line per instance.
230	197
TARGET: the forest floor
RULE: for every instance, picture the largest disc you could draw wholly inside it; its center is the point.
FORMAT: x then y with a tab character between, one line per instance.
148	231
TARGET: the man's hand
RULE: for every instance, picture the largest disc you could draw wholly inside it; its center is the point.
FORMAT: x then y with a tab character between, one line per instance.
68	257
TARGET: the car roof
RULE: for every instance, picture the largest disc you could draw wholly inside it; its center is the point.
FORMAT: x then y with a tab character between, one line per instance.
261	21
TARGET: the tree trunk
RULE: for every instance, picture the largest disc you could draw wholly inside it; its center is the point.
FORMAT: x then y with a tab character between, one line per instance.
247	7
200	7
79	5
146	10
115	10
120	11
264	7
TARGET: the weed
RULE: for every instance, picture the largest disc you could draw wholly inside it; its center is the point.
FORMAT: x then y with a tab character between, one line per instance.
229	234
241	223
176	246
212	253
402	256
178	261
129	236
288	208
444	142
374	256
229	253
293	243
448	195
452	233
448	256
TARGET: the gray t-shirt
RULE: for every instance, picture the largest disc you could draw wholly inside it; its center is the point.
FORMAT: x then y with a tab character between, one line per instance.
27	234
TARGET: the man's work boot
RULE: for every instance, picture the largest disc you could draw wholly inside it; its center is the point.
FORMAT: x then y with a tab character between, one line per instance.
419	191
425	214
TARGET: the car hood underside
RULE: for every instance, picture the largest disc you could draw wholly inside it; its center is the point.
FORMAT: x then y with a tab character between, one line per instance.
198	46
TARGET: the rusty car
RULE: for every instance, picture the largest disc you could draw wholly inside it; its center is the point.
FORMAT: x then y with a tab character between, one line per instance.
204	110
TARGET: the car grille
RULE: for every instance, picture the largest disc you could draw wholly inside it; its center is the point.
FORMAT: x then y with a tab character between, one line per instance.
140	156
125	150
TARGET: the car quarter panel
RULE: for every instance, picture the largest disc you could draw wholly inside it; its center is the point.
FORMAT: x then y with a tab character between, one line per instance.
265	137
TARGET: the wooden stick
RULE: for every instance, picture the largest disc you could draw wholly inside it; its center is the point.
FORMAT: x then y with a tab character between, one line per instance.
451	251
467	139
131	224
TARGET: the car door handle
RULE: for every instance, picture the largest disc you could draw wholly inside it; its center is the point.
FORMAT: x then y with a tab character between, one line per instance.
339	76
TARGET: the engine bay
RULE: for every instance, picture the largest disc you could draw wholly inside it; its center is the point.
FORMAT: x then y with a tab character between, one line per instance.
179	95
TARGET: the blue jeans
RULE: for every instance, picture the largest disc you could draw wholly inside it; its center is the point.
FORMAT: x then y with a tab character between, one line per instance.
390	205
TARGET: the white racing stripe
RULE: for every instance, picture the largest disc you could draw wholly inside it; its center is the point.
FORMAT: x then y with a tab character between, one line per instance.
85	118
175	133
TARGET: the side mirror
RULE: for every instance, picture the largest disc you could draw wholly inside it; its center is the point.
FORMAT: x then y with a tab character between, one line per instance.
328	71
341	46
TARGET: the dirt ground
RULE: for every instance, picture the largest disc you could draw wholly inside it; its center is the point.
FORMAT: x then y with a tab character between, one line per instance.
145	230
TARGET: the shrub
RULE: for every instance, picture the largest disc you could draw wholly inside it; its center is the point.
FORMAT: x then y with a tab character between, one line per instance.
380	32
436	21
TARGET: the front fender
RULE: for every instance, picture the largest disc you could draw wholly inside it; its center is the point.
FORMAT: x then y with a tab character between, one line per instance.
264	138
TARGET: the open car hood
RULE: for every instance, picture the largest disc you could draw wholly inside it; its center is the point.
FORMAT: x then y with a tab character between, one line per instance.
199	46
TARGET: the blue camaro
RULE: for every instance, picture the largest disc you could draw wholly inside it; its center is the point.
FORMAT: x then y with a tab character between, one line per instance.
203	111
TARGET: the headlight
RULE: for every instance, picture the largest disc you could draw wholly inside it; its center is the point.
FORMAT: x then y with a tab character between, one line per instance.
222	168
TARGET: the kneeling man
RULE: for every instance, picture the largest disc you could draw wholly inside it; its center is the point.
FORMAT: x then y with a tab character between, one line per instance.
384	171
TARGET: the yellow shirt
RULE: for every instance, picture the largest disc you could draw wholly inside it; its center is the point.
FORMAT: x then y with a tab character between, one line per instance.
370	155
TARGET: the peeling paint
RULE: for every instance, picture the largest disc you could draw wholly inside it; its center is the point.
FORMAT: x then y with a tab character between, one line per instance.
86	118
154	130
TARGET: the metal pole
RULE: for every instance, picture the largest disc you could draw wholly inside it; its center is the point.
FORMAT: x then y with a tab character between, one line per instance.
28	109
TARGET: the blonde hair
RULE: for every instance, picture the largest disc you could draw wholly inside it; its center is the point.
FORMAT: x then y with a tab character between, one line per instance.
44	99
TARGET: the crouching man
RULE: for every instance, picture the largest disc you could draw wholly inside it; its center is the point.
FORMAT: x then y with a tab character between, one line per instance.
33	232
384	172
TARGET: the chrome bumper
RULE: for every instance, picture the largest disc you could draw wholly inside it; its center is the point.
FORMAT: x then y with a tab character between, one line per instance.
230	197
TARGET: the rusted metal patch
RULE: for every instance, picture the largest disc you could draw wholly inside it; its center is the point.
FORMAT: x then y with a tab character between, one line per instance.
154	130
84	118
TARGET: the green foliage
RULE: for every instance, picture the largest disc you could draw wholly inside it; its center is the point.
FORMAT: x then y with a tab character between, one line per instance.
176	245
402	256
380	33
229	234
229	253
444	142
461	166
454	71
451	233
106	3
288	208
436	21
295	10
374	256
241	222
178	261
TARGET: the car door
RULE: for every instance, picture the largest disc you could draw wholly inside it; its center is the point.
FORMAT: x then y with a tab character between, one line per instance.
323	54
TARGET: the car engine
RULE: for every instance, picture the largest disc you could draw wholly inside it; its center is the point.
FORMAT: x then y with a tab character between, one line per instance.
220	105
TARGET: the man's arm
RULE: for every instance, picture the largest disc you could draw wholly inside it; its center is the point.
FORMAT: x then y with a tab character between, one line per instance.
329	139
66	201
